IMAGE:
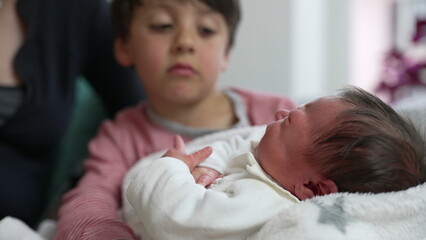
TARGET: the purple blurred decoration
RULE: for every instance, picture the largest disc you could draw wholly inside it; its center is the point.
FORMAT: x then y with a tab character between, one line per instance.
420	31
399	70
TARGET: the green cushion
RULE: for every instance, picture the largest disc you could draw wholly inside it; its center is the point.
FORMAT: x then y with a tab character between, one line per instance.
89	112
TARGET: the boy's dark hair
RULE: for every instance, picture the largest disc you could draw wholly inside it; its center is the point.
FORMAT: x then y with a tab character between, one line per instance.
371	149
122	13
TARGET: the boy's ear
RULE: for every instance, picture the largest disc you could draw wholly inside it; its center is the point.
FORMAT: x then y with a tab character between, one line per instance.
122	53
225	62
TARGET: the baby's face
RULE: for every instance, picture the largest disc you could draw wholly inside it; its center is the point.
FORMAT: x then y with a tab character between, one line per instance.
280	151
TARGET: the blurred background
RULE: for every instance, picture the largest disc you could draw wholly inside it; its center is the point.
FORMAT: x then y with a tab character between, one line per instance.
306	49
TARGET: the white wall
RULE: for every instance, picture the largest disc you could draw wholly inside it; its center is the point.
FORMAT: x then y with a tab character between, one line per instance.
260	59
319	56
371	37
309	48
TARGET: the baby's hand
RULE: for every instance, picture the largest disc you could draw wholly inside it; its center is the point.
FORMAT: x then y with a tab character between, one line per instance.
205	176
191	160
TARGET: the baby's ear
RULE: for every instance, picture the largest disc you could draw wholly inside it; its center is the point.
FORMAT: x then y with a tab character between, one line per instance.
122	53
305	191
326	186
310	189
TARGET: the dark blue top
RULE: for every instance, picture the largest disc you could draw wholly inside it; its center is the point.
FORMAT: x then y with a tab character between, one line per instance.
64	39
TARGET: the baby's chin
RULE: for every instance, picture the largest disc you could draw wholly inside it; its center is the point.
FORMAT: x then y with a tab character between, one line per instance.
255	154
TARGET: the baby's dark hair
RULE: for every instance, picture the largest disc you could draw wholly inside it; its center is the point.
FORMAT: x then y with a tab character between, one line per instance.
122	13
371	149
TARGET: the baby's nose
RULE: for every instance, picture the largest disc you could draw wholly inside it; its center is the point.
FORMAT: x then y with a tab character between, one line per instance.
282	113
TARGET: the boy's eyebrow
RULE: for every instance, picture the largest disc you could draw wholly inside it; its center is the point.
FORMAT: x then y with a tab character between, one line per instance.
208	12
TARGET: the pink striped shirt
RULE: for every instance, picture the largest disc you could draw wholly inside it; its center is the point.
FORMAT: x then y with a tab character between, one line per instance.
90	211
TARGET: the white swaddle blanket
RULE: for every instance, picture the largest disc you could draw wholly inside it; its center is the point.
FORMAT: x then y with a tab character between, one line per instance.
128	213
386	216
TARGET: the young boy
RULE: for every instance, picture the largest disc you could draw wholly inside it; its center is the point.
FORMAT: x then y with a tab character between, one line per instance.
178	48
348	143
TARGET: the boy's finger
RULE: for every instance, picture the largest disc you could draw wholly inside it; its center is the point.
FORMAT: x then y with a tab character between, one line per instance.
179	144
200	156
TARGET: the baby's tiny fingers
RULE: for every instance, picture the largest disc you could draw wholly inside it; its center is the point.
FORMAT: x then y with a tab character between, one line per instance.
205	180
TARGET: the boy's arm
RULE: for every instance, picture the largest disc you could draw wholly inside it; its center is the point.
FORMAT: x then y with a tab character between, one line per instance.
90	210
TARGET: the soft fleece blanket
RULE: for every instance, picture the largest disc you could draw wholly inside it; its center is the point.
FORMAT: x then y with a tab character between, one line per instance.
387	216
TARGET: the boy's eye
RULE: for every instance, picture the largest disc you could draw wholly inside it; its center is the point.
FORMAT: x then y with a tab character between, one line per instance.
161	27
206	31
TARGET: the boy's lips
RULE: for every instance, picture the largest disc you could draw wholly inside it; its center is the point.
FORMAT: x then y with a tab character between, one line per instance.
180	69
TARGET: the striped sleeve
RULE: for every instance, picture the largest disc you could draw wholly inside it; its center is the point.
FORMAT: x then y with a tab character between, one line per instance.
90	210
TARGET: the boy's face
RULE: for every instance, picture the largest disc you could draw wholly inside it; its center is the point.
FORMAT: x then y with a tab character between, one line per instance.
280	151
178	49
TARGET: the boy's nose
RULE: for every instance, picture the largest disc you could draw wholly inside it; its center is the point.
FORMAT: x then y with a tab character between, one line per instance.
282	113
184	42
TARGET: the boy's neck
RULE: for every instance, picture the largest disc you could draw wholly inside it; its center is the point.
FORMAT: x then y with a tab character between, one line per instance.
214	112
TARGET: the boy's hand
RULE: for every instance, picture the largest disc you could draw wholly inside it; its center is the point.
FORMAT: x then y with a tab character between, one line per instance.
205	176
191	160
